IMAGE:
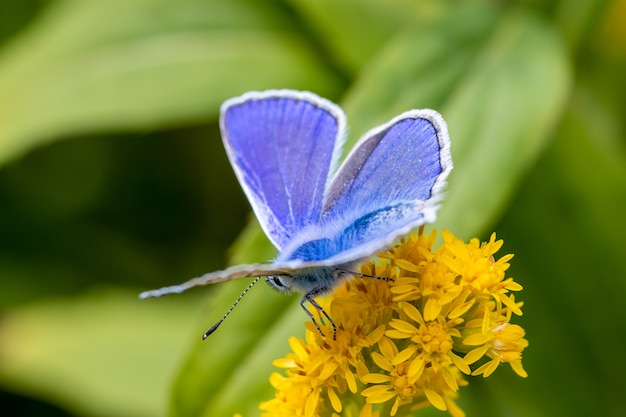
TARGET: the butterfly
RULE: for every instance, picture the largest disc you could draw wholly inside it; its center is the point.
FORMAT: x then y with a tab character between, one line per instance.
284	147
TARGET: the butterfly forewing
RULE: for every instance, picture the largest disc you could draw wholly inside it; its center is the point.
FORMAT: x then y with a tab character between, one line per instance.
281	145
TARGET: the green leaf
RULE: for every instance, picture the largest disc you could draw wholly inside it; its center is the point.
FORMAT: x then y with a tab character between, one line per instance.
104	353
159	63
421	67
252	245
354	30
500	119
228	372
566	227
500	84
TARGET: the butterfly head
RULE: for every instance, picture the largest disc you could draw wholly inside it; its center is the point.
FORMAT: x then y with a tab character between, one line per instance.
283	283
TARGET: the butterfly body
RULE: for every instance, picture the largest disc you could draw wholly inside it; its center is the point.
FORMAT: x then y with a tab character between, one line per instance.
284	147
319	280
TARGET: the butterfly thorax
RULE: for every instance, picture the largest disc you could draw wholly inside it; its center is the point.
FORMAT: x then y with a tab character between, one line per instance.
317	280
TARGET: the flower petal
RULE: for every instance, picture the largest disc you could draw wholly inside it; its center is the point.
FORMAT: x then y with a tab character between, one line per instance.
381	395
405	355
350	380
517	367
416	368
382	362
488	368
403	326
387	348
460	363
406	265
432	309
478	339
435	399
413	312
334	400
475	354
376	378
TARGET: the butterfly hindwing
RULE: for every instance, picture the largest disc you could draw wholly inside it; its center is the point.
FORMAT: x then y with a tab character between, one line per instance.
282	145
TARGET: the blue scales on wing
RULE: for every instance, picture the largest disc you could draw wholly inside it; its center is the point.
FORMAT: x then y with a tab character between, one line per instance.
389	184
282	149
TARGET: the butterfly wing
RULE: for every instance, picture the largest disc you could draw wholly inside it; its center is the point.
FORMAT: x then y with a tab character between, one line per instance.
229	274
282	145
389	184
407	159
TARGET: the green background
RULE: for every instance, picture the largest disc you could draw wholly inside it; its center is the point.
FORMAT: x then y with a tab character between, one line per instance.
113	180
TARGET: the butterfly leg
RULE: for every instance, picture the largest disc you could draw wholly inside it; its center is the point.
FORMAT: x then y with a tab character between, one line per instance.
310	298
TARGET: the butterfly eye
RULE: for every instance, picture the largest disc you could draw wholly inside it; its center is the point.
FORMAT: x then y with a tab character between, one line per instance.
280	283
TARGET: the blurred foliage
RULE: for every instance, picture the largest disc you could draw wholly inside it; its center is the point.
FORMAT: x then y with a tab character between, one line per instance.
114	180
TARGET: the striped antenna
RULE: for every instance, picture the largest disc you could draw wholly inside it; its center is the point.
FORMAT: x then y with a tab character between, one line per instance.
216	325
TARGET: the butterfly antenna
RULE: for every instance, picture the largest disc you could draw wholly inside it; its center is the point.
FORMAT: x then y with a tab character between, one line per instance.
216	325
361	275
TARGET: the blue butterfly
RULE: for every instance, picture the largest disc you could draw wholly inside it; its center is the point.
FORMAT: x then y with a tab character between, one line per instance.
284	146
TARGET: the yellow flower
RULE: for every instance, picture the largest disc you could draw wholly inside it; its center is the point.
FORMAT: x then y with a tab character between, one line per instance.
406	344
504	342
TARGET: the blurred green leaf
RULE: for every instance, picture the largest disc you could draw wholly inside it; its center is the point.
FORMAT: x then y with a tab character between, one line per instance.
15	15
352	31
500	83
567	229
101	354
576	24
252	245
228	372
500	118
219	381
420	67
92	65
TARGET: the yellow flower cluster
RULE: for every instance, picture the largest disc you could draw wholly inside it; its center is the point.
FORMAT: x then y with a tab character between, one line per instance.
405	344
